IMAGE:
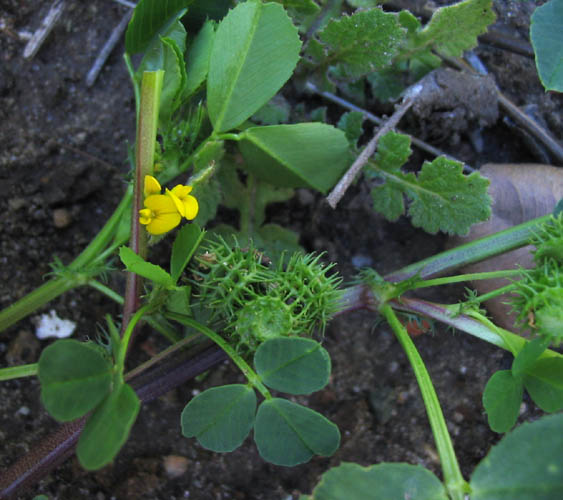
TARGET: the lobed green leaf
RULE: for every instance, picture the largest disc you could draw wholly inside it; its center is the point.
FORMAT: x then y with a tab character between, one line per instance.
502	399
545	35
455	28
364	42
107	428
544	383
220	418
74	377
290	434
384	481
525	465
293	365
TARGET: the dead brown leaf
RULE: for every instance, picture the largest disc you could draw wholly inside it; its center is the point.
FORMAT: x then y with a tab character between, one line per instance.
520	192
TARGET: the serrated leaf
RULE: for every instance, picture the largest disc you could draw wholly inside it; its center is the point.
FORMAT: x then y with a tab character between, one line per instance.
446	200
544	383
150	19
455	28
525	465
502	398
388	201
443	199
351	124
386	84
220	418
545	35
138	265
290	434
107	428
361	43
198	58
379	482
255	50
187	240
74	377
303	154
292	365
307	7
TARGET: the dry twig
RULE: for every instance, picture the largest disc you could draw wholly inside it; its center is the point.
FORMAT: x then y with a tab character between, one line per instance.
43	31
338	192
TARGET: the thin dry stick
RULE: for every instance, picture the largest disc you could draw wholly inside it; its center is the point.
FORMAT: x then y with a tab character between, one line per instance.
338	192
41	33
126	3
106	49
378	121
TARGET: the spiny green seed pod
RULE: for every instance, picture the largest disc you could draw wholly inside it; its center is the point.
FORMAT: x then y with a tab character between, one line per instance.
226	278
252	303
260	319
310	291
539	300
548	240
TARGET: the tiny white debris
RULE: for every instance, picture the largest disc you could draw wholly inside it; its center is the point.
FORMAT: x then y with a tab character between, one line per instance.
50	325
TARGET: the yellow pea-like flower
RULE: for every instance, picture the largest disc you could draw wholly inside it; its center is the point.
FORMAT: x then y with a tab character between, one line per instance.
186	204
160	214
152	186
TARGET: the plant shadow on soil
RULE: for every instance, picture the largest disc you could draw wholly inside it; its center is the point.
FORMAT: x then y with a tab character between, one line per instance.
54	199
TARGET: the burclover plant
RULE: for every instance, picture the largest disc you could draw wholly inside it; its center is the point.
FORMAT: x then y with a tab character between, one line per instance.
246	289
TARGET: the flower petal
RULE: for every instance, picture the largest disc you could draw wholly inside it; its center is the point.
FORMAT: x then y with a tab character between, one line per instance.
181	191
161	204
177	201
164	223
191	207
152	186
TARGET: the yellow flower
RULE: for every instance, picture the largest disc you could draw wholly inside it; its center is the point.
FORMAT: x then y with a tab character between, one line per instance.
152	186
186	204
160	214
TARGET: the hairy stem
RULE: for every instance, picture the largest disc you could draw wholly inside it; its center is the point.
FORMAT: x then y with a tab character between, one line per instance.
455	484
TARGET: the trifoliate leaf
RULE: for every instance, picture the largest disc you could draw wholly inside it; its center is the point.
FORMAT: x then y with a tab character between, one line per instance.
443	199
361	43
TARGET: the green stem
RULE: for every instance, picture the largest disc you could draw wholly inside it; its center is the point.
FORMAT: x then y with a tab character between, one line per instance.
455	484
34	300
248	372
18	371
52	289
120	362
467	277
474	325
495	293
469	253
106	290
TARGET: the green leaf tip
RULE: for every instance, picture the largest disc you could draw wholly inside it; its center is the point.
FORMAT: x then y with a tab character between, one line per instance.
255	51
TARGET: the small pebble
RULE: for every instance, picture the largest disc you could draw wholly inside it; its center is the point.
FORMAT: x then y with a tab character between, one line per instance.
61	218
175	465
